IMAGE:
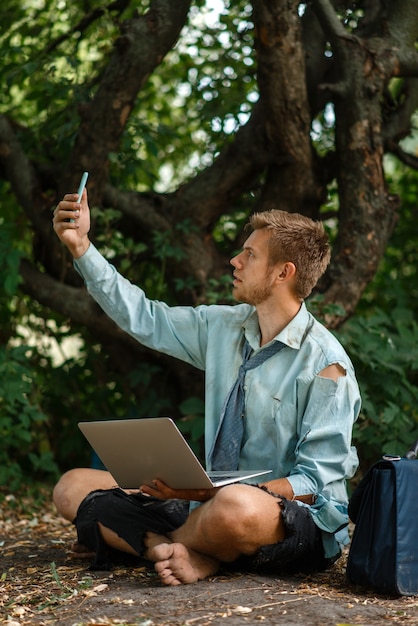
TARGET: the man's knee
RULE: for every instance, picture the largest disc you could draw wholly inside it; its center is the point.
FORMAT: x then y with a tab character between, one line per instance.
247	512
64	495
233	501
75	485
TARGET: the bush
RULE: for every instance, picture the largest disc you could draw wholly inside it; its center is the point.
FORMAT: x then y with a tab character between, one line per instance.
384	350
24	448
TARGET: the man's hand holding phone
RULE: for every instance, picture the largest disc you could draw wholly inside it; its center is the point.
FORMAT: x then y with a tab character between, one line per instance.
72	220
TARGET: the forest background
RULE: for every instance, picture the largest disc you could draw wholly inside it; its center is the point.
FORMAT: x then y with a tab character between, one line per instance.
189	116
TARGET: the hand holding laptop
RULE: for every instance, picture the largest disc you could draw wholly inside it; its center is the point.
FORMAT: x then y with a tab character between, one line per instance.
160	490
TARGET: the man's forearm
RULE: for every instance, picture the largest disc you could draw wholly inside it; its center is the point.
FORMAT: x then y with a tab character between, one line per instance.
282	487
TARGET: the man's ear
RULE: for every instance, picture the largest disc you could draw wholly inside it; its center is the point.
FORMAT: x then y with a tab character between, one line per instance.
286	271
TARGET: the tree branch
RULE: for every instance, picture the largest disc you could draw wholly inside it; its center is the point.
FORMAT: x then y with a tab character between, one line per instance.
285	100
338	37
17	167
397	115
117	6
146	209
317	64
330	23
402	22
143	43
409	159
210	193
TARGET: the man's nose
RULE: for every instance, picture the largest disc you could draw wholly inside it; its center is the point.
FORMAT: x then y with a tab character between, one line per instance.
235	261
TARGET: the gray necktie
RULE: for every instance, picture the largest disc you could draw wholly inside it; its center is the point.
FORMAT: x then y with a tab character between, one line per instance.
227	447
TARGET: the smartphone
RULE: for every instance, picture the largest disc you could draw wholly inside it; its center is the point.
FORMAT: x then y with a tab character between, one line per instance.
81	187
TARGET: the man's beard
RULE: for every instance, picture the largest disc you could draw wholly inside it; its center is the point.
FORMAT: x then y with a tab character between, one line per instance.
254	295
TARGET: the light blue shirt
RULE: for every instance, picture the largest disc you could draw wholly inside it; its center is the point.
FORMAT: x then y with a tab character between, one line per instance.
297	423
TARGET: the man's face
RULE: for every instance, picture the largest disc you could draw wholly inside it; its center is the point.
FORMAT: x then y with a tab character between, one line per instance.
253	276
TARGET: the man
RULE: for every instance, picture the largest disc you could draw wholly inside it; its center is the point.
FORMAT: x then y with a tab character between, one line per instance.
299	405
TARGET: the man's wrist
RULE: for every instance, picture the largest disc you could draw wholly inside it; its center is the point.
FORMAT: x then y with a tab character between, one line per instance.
80	250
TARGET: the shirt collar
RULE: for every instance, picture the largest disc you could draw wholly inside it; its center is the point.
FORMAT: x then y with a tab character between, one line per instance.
292	335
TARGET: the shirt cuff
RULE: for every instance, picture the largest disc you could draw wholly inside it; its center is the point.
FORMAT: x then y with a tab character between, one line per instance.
301	485
91	264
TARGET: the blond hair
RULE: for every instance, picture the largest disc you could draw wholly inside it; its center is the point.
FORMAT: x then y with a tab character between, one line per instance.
297	239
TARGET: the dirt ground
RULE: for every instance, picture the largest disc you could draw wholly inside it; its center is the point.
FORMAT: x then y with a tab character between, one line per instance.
40	584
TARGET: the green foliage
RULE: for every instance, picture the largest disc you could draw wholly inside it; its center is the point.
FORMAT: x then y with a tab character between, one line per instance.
84	388
219	290
396	283
192	424
24	446
31	500
211	73
320	309
10	277
43	87
382	337
384	350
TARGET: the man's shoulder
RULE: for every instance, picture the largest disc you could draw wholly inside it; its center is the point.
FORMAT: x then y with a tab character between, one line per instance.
236	313
325	341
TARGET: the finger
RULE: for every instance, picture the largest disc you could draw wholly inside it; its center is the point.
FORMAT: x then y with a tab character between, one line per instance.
63	206
159	484
67	205
161	488
150	491
70	197
66	216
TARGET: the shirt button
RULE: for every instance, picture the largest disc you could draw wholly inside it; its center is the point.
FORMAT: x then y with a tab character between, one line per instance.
245	387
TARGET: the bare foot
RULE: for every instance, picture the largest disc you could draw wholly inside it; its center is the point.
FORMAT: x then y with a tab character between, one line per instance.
175	564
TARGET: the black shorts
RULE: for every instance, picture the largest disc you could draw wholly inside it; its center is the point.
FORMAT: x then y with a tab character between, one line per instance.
132	515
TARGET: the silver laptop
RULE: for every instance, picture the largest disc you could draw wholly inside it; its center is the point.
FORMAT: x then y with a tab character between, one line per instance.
136	451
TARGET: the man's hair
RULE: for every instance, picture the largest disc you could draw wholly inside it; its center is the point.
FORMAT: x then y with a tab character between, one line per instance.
297	239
